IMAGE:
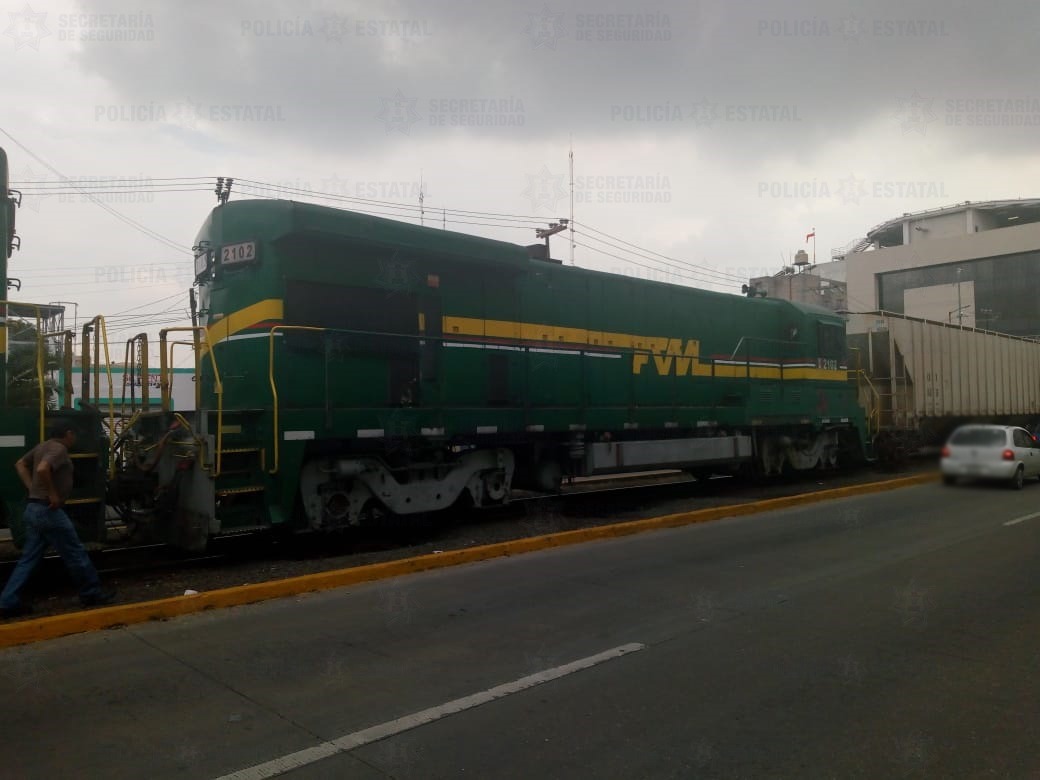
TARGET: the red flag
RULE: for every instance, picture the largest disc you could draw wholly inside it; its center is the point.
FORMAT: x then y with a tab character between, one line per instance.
810	235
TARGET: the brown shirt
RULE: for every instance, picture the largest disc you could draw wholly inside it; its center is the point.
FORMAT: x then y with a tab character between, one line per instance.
55	453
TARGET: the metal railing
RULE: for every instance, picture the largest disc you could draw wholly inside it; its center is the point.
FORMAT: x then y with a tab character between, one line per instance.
873	416
854	246
166	371
97	327
130	370
67	389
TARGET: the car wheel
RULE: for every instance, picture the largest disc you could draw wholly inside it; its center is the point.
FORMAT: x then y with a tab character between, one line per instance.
949	480
1018	480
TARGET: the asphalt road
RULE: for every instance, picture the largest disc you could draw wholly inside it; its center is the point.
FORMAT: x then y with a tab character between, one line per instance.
891	635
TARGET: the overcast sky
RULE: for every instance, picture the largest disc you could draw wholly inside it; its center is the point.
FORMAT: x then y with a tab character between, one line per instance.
718	133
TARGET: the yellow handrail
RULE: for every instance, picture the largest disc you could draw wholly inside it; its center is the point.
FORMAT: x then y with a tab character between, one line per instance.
100	337
873	416
218	387
874	413
274	388
128	372
67	389
198	384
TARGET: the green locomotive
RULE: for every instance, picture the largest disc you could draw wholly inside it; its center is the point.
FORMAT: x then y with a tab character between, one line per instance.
351	367
30	346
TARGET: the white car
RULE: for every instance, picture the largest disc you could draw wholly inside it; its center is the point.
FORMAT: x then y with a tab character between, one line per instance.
991	452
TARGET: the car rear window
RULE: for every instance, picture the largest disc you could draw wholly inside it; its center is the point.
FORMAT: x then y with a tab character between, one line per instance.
979	437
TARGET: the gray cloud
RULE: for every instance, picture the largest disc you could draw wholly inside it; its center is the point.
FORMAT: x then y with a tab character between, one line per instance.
745	80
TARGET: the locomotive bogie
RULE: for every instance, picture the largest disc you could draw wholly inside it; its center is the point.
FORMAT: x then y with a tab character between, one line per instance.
335	492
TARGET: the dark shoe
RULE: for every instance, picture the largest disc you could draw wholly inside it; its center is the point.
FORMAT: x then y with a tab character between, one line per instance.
104	597
13	612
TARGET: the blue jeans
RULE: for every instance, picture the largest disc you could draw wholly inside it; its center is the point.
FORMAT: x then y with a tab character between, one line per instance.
43	527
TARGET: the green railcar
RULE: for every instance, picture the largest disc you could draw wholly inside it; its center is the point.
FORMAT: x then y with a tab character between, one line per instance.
353	366
27	406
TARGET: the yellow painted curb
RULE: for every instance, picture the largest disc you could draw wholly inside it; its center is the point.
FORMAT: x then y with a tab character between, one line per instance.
27	631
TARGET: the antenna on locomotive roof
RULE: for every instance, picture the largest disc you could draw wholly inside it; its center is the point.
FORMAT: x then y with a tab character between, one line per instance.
421	212
571	156
223	189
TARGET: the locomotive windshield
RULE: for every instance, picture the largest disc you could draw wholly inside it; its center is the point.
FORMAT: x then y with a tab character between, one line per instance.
831	341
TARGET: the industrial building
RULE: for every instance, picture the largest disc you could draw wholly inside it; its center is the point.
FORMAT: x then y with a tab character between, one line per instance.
974	265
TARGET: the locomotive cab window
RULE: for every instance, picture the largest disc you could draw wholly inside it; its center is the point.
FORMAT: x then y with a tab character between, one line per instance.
203	264
831	342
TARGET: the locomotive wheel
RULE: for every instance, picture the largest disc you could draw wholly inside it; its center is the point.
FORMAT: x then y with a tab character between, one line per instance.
374	514
891	451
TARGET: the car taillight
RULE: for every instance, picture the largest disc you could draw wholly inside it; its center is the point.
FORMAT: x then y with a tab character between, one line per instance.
946	452
1009	455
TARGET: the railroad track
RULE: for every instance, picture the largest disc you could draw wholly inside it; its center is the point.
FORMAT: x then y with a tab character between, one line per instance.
142	571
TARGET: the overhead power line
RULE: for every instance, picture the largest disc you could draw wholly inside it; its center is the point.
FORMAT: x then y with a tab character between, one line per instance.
90	181
699	280
691	272
686	263
118	215
254	188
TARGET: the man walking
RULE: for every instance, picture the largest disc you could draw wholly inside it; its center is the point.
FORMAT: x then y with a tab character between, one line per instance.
46	472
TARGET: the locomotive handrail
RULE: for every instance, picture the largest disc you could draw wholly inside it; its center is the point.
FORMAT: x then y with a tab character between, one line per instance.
274	387
198	385
749	339
97	325
874	412
218	388
66	365
128	371
68	336
198	399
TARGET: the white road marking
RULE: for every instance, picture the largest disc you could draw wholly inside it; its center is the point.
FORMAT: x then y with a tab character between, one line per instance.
1022	519
349	742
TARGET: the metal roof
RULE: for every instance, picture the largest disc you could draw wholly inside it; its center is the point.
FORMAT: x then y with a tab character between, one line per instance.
1011	212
